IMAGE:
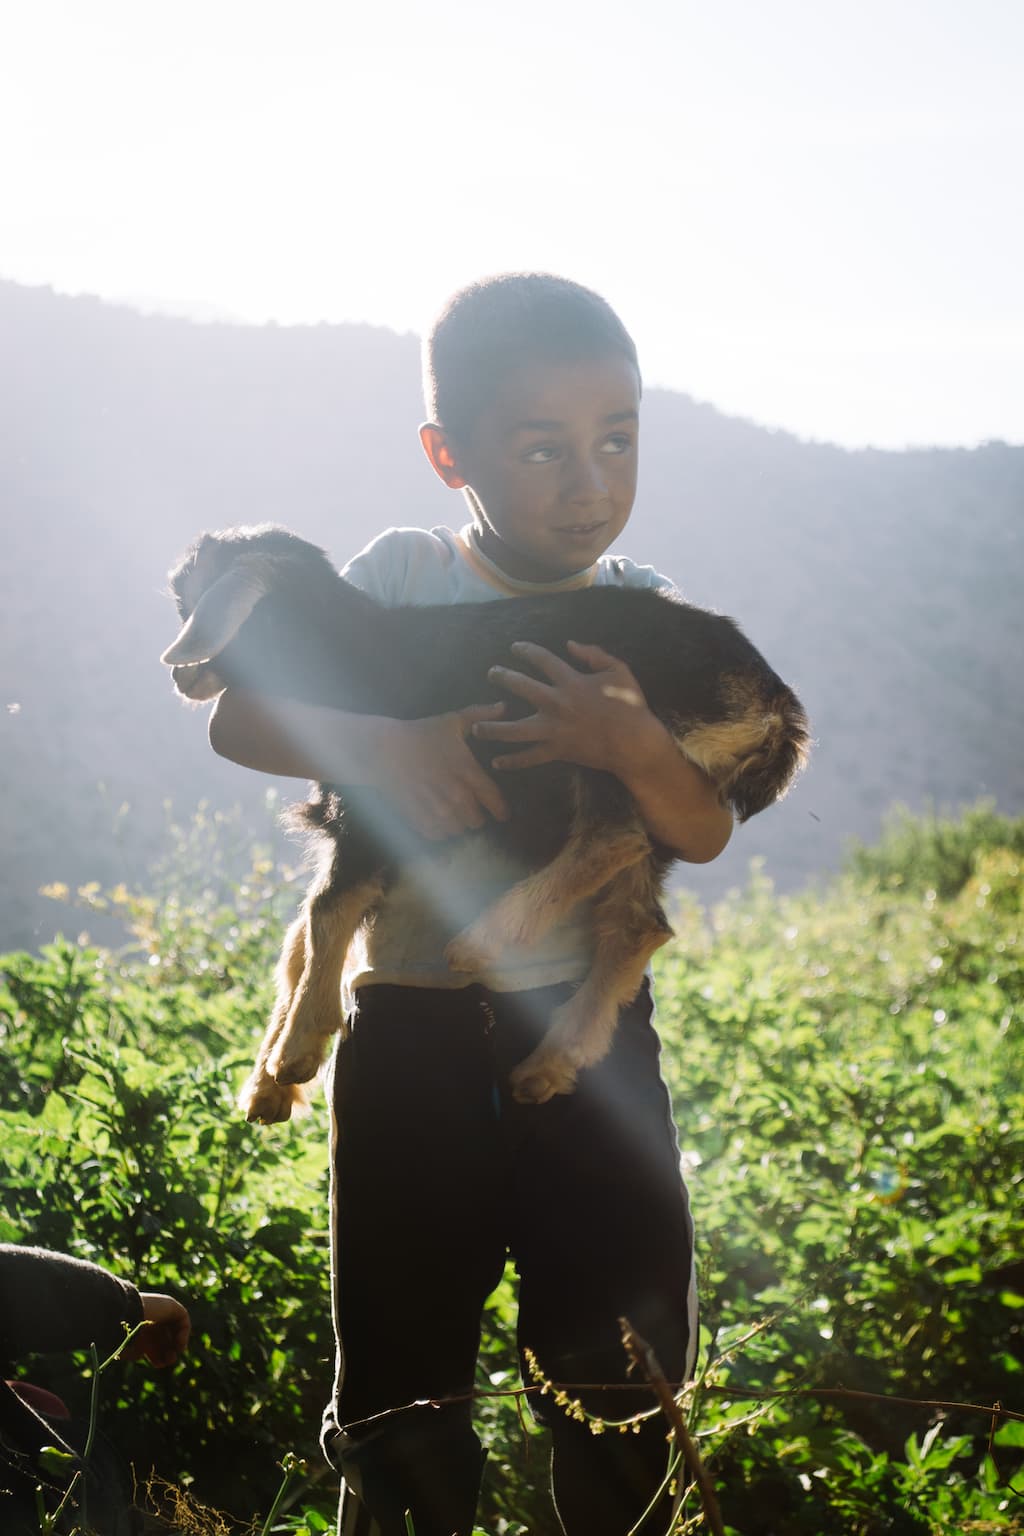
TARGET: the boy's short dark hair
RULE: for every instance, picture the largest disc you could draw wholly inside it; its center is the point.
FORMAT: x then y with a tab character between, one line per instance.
503	322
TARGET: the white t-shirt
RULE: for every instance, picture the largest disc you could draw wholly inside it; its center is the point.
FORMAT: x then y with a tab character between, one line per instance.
445	888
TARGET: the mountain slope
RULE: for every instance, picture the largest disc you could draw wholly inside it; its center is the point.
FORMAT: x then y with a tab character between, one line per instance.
884	586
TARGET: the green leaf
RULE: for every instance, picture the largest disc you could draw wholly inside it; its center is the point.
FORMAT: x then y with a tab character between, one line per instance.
1010	1433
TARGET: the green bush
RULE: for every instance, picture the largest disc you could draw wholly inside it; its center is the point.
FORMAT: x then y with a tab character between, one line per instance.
848	1074
123	1145
934	852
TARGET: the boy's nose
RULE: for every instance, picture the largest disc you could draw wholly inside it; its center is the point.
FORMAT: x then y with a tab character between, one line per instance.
588	483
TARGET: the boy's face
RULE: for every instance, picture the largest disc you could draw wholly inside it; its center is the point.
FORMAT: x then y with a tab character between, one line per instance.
552	462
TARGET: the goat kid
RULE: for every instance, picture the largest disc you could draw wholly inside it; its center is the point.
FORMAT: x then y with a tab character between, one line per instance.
264	610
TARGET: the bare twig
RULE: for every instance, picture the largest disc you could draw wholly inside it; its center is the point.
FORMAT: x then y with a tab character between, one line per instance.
987	1410
643	1356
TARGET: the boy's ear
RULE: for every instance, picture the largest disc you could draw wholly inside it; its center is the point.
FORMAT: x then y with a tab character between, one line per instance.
439	451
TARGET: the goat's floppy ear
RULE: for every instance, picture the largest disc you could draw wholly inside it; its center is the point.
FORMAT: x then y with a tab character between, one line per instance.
216	619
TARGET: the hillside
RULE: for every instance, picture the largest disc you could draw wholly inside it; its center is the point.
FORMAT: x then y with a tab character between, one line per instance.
885	587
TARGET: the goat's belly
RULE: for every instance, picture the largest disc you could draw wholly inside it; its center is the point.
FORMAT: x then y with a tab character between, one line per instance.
439	894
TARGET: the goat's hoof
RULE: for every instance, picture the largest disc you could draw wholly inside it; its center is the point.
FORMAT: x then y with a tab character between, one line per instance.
543	1075
288	1068
265	1102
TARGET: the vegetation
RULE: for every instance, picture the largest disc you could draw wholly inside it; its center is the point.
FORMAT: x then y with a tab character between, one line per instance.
848	1074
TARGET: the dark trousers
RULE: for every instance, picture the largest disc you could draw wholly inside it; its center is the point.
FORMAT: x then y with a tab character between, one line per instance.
437	1174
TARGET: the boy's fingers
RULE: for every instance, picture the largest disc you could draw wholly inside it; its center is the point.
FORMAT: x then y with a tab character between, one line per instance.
476	788
474	712
531	728
596	658
544	660
464	815
524	687
489	795
161	1349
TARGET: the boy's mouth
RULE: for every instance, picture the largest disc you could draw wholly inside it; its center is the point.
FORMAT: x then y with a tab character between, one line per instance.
581	530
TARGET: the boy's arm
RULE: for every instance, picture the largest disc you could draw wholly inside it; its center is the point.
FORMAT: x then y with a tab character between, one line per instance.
678	804
51	1302
600	719
424	767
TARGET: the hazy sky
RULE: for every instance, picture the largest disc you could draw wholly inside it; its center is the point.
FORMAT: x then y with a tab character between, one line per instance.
808	212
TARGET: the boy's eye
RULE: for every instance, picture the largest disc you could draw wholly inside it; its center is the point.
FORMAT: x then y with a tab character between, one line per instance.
545	453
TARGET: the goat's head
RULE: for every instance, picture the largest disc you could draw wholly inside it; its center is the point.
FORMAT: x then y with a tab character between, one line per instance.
765	773
216	585
755	753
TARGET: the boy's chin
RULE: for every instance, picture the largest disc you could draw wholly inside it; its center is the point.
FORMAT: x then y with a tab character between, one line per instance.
574	552
561	555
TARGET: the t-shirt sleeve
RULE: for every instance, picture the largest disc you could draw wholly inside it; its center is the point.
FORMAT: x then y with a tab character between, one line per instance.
379	569
402	565
628	574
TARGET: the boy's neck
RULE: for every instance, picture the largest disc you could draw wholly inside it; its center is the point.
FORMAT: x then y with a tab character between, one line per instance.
490	560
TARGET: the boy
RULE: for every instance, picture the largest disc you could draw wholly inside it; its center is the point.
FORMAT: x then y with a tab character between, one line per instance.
533	389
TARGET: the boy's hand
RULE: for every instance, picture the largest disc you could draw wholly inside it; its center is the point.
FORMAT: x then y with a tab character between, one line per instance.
600	719
432	778
164	1335
597	718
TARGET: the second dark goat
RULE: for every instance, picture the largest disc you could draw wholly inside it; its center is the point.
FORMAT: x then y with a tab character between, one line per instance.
266	611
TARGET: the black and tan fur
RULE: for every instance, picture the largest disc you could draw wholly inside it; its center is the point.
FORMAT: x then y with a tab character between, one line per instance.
266	611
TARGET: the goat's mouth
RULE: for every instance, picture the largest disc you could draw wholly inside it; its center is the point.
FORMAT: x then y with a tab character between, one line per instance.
197	680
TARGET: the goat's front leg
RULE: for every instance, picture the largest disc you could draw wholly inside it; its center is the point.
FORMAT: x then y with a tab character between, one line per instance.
262	1098
332	918
524	914
629	926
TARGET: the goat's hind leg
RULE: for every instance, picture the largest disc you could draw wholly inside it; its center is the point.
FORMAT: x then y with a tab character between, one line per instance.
523	915
314	1015
629	925
261	1097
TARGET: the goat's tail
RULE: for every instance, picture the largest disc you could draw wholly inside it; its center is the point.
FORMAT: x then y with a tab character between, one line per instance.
316	821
